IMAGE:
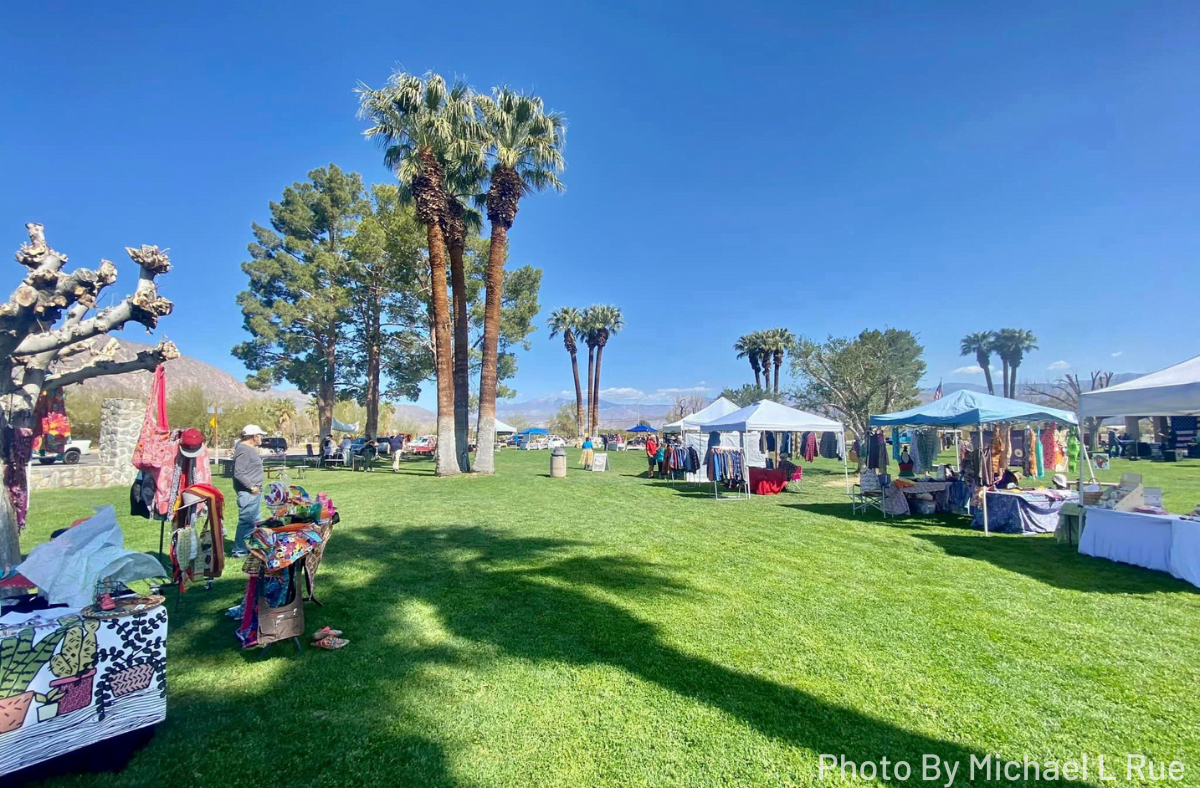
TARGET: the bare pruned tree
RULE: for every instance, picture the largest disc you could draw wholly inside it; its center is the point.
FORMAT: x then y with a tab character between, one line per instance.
48	341
1064	393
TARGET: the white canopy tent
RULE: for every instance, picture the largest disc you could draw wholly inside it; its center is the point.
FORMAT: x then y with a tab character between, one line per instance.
768	416
718	408
1174	391
502	428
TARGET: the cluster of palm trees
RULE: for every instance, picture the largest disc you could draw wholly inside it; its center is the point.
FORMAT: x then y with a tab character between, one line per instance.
595	325
454	151
765	351
1009	345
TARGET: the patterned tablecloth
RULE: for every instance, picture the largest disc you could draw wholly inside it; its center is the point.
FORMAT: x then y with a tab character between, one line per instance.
1022	512
80	681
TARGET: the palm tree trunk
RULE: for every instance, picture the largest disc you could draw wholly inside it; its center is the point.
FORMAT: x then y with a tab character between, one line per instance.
462	371
986	365
447	459
778	364
596	386
766	368
757	377
1013	387
578	397
485	454
1004	374
591	393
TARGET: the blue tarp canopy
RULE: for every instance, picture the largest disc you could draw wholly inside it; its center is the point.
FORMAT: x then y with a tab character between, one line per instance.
534	431
642	428
969	408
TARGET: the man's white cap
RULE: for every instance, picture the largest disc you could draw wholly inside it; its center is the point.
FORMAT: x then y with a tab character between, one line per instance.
252	429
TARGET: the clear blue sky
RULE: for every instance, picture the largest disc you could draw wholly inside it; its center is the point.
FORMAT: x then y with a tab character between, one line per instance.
936	167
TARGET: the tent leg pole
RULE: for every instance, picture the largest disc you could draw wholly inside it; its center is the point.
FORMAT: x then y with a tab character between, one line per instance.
986	532
845	461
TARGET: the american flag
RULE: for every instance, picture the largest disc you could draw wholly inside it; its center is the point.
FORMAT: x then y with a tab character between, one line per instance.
937	394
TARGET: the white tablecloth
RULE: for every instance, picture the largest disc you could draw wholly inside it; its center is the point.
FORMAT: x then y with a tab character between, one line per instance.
1163	542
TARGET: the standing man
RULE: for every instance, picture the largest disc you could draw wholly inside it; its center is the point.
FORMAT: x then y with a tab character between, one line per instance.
652	453
397	447
247	482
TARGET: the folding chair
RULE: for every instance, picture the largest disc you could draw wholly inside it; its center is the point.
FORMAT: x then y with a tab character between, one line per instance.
869	492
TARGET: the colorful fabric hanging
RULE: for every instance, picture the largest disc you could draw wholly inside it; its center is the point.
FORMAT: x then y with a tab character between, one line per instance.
1073	453
896	444
810	446
1040	465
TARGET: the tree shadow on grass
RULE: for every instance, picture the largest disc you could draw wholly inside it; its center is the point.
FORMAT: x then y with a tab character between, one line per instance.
1046	560
538	600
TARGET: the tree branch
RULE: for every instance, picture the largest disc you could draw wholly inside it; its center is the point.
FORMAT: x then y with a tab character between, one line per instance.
144	360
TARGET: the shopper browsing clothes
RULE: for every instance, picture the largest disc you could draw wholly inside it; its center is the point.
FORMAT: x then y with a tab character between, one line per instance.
652	454
587	454
247	483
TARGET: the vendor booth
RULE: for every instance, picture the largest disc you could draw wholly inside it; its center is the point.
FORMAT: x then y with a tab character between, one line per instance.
691	436
1145	535
744	467
1020	511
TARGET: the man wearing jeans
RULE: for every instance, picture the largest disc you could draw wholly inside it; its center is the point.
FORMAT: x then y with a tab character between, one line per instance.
247	482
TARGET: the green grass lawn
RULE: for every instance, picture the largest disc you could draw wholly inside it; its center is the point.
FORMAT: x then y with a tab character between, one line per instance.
608	630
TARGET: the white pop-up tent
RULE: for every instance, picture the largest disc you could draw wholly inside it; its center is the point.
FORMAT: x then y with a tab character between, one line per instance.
1174	391
693	436
768	416
718	408
504	429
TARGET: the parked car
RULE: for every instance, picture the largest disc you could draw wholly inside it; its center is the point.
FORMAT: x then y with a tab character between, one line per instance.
555	442
275	445
70	455
422	445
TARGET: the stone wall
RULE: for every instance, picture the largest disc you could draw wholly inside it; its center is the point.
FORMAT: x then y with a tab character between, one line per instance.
120	423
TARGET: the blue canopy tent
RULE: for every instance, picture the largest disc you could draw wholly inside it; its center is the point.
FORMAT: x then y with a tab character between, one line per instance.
534	431
642	428
973	409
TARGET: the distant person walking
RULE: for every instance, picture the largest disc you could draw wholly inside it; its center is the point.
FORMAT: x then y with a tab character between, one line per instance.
588	454
247	483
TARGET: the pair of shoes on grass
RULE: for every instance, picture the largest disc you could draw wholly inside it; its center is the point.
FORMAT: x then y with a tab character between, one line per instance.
329	639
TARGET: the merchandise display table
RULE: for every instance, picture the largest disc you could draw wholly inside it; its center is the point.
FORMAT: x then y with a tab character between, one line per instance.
1167	543
765	481
896	500
73	681
1022	512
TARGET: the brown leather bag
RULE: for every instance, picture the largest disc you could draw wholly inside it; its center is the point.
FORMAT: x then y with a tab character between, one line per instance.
285	621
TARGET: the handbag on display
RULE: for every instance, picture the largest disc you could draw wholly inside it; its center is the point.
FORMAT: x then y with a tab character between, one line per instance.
154	448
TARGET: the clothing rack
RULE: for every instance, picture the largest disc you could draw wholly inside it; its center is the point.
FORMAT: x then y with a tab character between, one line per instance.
743	483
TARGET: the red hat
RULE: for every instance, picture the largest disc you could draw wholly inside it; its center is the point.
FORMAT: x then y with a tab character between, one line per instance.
191	443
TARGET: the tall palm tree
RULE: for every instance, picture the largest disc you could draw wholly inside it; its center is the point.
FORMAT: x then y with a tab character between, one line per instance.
1016	343
609	323
747	348
780	341
567	320
415	119
589	327
524	144
981	344
464	183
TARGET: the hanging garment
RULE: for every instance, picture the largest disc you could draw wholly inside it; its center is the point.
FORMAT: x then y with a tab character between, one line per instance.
931	447
1039	458
18	448
209	554
1049	447
51	429
914	453
141	495
998	454
829	445
810	446
1073	453
1062	452
895	443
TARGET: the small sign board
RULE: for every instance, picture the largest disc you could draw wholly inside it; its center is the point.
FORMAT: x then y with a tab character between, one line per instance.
600	462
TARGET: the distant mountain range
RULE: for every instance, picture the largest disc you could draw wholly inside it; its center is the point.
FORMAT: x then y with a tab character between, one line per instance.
617	415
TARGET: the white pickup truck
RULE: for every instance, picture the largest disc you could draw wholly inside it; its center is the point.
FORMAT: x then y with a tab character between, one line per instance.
70	454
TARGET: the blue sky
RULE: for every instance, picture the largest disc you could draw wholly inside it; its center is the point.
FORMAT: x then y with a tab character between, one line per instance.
935	166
